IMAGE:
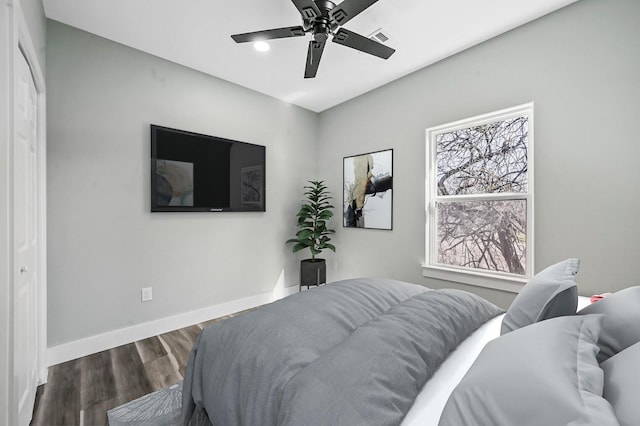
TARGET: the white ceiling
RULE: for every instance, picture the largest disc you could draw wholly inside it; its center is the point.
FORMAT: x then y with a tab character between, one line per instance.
196	34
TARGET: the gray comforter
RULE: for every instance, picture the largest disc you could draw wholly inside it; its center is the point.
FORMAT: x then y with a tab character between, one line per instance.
355	352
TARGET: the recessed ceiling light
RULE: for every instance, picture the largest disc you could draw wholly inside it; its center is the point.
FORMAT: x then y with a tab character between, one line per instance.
261	46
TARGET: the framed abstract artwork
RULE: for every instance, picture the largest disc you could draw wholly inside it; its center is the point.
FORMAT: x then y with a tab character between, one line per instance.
368	190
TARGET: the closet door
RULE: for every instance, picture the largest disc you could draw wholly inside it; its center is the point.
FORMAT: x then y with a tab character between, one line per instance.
25	241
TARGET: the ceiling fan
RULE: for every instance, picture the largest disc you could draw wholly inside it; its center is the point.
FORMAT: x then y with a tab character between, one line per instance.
323	18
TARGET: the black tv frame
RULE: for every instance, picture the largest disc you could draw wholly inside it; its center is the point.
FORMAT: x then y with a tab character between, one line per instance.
218	142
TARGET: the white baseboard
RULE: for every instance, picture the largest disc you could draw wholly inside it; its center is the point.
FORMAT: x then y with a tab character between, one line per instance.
90	345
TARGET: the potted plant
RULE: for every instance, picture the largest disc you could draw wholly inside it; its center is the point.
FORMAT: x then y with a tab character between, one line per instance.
313	232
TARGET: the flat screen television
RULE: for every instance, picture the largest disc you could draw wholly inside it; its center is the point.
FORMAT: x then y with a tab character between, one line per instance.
191	172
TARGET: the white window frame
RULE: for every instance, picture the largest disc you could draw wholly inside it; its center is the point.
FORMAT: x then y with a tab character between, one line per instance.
482	278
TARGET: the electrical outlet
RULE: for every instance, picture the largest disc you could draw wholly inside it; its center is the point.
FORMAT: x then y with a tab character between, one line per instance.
147	295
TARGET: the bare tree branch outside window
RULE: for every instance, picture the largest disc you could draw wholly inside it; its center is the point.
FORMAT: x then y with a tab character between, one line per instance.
487	235
474	229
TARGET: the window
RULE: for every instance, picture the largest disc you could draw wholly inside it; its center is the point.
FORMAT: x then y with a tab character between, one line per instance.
479	199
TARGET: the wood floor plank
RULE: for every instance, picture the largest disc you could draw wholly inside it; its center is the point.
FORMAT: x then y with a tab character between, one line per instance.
97	414
131	381
150	349
38	406
61	396
192	333
179	344
162	372
97	382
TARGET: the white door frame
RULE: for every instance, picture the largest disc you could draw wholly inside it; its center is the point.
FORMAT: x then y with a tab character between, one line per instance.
22	44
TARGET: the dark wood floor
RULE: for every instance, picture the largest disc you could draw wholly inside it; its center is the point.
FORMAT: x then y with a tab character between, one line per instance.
81	391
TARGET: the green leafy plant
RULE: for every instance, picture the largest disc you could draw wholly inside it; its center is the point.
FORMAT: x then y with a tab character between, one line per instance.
313	216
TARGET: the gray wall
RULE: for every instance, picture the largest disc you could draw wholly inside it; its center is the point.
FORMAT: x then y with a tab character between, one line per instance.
103	243
581	67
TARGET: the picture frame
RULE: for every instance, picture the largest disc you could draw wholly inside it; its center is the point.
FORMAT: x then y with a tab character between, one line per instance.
368	190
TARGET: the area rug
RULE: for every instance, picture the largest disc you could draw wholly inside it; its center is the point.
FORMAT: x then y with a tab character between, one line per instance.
161	408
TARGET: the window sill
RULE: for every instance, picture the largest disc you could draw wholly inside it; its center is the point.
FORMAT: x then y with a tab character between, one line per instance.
478	279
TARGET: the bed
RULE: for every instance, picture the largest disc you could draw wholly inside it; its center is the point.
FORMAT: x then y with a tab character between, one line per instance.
383	352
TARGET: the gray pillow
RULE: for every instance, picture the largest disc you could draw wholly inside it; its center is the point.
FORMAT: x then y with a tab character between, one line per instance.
543	374
622	384
621	326
551	293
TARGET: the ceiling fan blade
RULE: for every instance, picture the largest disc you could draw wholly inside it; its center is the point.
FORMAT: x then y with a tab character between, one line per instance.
349	9
361	43
307	8
314	54
269	34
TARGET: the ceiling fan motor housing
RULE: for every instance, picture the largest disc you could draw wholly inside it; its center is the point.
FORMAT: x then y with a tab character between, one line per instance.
321	26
